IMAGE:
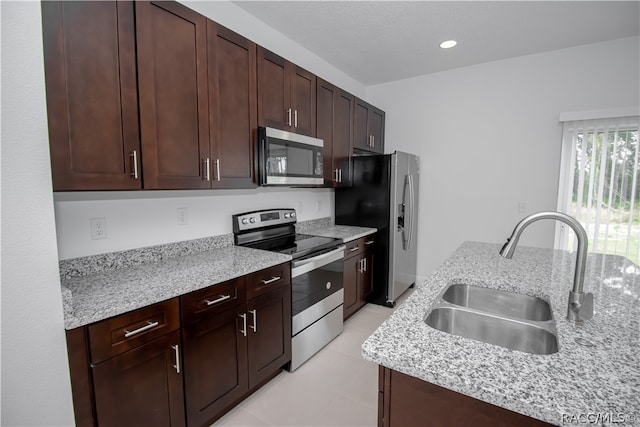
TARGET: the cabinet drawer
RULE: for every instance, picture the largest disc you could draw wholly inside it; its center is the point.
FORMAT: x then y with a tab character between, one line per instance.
212	299
121	333
368	241
270	278
353	247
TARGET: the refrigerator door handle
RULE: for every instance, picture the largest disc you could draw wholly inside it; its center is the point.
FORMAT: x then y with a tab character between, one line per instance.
411	210
405	206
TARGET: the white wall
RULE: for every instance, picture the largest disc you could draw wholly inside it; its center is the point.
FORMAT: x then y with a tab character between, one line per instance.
488	137
35	374
140	219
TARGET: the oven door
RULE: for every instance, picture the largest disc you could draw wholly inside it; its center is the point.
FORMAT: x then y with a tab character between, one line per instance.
286	158
316	287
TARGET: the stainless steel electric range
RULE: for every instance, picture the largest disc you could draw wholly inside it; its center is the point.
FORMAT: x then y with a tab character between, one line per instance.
316	276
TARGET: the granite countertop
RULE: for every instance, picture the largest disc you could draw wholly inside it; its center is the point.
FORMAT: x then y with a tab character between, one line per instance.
97	296
345	232
558	388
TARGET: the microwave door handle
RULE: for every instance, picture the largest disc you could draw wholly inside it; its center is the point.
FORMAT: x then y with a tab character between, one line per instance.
262	160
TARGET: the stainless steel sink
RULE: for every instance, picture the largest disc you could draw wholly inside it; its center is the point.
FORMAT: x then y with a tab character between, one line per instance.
498	302
511	320
512	334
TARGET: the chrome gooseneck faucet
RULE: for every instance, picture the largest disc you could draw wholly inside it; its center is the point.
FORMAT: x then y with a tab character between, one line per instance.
580	306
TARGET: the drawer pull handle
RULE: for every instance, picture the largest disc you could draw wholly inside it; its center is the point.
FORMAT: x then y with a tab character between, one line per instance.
177	352
370	242
353	249
217	300
273	279
254	326
148	326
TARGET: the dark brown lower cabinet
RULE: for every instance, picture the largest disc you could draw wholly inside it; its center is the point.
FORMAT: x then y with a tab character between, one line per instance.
404	400
215	365
358	277
141	387
269	331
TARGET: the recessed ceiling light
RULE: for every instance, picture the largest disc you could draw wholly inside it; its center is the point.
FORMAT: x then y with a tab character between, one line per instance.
448	44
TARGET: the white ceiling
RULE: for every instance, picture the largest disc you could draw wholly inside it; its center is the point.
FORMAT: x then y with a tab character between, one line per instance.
381	41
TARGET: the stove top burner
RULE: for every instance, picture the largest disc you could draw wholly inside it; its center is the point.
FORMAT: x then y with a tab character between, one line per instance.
297	245
274	230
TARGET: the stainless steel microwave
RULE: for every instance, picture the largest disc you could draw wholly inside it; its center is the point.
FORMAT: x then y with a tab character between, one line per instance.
286	158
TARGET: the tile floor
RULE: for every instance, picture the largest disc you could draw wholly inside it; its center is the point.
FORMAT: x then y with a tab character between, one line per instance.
336	387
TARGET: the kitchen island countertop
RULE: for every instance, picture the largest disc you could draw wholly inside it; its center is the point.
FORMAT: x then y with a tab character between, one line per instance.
602	380
101	295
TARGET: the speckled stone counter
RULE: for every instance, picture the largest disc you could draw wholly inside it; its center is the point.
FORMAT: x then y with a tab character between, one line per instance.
345	232
603	379
97	296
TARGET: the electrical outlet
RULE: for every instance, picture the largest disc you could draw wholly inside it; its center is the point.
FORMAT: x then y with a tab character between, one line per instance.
183	216
522	207
98	228
318	205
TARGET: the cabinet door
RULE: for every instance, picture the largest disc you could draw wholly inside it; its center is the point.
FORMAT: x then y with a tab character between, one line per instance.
269	330
376	129
350	284
215	365
92	107
361	135
141	387
172	81
325	129
274	92
365	282
303	101
233	107
343	136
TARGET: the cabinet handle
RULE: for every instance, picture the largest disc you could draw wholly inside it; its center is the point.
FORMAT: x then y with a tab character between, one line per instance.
207	169
244	324
370	242
353	249
254	326
365	265
217	169
373	141
360	266
336	173
217	300
176	349
134	156
273	279
340	178
289	117
295	118
148	326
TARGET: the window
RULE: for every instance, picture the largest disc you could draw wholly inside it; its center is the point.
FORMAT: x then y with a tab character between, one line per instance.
600	185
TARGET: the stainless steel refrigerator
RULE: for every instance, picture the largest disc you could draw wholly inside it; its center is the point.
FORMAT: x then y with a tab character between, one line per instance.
384	195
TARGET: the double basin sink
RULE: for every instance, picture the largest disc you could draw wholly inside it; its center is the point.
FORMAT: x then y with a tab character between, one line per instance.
508	319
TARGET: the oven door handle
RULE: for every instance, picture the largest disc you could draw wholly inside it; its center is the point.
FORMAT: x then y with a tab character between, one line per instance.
303	266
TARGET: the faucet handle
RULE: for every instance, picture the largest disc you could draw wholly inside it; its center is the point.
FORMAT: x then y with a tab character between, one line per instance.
580	306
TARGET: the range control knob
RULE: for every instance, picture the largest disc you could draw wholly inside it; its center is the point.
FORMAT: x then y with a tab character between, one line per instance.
293	214
252	220
245	221
286	215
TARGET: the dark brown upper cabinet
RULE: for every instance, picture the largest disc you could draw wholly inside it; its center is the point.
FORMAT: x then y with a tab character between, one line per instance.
286	94
334	127
172	85
90	73
233	110
368	128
